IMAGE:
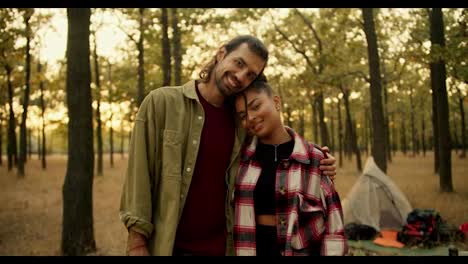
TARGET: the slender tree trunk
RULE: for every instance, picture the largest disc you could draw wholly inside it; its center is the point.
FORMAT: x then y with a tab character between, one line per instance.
385	114
323	125
438	73
176	47
423	135
1	140
340	135
122	136
98	108
111	129
38	132
455	143
332	133
314	119
301	120
463	126
43	137
394	135
111	143
351	129
378	146
77	230
404	146
413	130
12	149
24	115
141	60
366	134
29	145
288	120
166	49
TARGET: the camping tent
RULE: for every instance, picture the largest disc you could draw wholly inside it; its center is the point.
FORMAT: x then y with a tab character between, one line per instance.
375	200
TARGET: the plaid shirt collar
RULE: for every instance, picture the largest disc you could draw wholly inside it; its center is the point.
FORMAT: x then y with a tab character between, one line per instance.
300	151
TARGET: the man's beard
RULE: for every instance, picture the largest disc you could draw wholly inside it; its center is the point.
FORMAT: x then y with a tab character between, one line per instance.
221	86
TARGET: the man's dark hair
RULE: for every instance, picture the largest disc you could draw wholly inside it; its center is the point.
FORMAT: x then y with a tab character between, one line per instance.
255	45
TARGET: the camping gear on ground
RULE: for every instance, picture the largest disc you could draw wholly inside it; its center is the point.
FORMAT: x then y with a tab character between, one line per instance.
464	229
388	238
355	231
375	200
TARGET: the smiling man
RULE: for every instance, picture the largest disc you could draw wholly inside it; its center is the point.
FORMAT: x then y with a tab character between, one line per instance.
184	155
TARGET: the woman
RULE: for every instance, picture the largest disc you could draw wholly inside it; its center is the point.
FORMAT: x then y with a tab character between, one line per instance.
284	205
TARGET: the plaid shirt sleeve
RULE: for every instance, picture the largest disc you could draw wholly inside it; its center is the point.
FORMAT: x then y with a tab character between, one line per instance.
334	240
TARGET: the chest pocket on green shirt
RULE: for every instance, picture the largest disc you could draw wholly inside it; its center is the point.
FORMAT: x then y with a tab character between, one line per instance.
171	156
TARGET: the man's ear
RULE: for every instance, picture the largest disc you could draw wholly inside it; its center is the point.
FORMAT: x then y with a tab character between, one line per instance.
221	53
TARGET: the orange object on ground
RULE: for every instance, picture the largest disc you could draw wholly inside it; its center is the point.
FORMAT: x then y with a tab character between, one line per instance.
388	238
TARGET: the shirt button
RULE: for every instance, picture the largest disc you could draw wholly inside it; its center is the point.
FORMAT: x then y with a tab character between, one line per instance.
194	142
282	190
200	117
282	221
188	169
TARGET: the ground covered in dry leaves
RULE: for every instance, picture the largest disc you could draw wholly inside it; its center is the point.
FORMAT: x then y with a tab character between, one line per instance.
31	207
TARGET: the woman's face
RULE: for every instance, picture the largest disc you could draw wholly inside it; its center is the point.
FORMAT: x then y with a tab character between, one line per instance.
263	112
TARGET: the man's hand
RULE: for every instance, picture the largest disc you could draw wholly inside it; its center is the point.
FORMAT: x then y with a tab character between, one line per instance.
136	244
327	165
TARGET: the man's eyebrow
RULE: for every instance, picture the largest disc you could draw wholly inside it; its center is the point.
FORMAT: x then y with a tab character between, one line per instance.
245	63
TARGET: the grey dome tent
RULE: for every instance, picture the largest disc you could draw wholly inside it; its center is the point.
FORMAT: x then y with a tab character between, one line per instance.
375	200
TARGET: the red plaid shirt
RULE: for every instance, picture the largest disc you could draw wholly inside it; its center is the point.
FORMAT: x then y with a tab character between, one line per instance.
311	210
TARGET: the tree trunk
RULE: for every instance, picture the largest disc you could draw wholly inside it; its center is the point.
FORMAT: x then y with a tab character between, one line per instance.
413	129
98	108
378	147
12	148
423	133
366	129
122	136
24	115
404	146
77	231
1	140
29	145
351	130
439	85
340	135
111	129
313	103
463	126
301	120
111	143
176	47
43	137
166	49
332	134
141	60
387	128
394	135
323	125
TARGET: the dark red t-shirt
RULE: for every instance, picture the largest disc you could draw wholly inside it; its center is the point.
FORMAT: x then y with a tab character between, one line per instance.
202	228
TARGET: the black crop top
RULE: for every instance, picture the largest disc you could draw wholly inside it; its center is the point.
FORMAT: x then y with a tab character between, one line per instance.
269	156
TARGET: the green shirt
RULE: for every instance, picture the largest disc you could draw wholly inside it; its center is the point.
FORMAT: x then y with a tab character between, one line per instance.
162	156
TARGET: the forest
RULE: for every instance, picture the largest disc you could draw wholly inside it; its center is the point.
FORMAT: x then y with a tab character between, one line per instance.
384	82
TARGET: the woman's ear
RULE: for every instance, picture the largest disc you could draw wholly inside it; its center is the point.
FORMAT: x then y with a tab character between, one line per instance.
277	101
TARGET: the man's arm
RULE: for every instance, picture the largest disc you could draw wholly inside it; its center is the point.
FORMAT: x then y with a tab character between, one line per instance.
136	244
327	165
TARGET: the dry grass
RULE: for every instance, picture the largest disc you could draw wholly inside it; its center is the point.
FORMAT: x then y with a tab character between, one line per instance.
31	208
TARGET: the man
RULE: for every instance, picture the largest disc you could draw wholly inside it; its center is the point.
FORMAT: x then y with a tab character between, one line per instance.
183	158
